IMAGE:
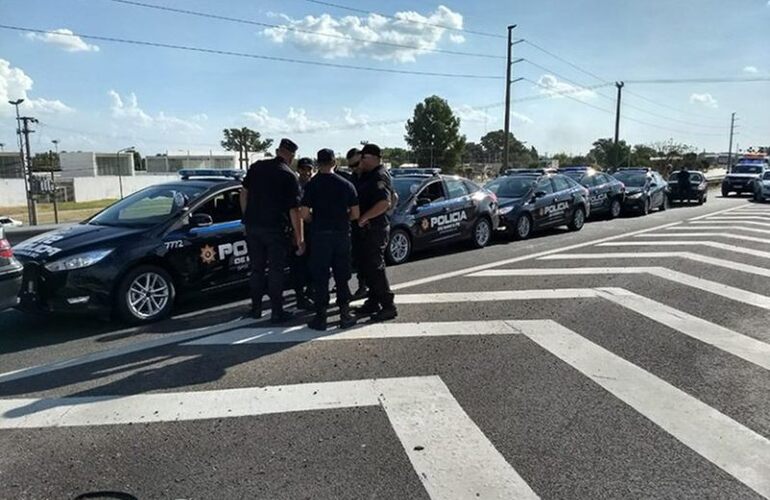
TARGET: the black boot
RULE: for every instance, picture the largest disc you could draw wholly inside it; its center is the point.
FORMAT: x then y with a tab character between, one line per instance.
387	313
280	316
255	312
318	322
361	292
346	319
304	303
369	308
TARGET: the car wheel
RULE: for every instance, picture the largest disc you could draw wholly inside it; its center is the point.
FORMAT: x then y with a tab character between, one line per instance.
665	205
725	193
578	219
399	247
702	199
615	208
523	227
482	233
146	294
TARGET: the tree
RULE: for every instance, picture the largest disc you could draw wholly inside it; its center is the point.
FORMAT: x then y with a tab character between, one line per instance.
396	156
138	162
244	140
609	154
563	158
474	153
642	156
433	133
518	154
45	162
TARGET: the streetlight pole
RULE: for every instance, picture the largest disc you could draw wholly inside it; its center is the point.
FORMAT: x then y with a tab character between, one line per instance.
508	82
53	183
117	160
16	103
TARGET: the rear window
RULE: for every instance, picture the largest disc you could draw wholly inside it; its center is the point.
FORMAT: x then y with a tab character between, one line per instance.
561	183
511	187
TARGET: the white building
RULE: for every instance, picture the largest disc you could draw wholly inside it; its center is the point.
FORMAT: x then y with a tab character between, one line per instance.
92	164
163	164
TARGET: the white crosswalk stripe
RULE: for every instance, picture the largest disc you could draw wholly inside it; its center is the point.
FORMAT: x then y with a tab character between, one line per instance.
732	227
729	236
710	244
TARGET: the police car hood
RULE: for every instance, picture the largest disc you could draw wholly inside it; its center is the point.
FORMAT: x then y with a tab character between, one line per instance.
70	240
633	190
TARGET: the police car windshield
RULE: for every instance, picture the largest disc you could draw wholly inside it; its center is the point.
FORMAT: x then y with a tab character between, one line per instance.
747	169
633	179
405	187
511	187
766	177
148	207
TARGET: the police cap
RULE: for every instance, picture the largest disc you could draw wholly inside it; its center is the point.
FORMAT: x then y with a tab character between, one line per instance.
288	145
305	163
372	149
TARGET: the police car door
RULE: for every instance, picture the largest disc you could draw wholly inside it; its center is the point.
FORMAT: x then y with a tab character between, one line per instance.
430	213
545	203
598	187
462	214
210	255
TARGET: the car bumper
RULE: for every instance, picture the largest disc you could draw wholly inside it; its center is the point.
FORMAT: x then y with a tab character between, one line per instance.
80	291
10	284
737	186
636	204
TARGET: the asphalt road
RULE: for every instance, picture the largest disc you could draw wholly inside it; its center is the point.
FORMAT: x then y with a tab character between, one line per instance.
572	365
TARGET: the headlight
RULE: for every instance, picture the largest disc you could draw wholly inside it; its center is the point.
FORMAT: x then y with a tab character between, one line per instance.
506	210
78	261
635	196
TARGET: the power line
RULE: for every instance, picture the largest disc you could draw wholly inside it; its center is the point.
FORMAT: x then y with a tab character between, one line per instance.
251	56
400	19
299	30
700	80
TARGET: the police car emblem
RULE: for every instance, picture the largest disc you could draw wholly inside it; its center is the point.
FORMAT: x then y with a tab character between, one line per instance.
425	224
208	255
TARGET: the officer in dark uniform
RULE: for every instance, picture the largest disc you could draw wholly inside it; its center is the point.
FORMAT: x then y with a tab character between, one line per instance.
270	204
354	160
331	202
300	264
375	193
683	181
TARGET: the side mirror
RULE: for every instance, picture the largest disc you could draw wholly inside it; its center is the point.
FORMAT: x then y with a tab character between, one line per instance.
539	194
421	202
201	220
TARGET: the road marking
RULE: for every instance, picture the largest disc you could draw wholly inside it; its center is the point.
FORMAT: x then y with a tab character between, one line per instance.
739	220
704	259
711	214
251	335
706	235
729	292
740	217
733	227
449	453
734	448
731	223
681	243
739	345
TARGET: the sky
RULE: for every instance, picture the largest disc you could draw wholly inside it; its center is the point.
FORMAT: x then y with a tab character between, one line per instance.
101	95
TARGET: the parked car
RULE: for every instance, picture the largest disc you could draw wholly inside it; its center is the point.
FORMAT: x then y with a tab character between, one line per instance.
532	201
10	274
742	177
696	190
10	222
762	187
437	209
605	193
646	190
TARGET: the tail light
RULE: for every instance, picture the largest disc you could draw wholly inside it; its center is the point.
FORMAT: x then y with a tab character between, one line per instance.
5	249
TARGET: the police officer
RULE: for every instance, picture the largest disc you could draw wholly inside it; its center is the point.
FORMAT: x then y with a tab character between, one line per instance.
300	264
375	192
354	159
270	204
683	181
332	202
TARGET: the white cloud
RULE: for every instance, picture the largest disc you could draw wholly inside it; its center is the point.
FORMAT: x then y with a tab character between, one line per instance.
332	37
64	39
550	85
127	109
15	84
704	99
469	114
750	69
296	120
350	119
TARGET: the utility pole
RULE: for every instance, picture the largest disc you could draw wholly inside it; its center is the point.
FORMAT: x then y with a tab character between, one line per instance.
53	183
508	82
16	103
26	120
730	149
619	85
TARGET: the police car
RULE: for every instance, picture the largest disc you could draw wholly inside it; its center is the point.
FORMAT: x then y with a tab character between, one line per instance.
697	190
645	190
742	177
762	187
605	192
436	209
533	200
136	256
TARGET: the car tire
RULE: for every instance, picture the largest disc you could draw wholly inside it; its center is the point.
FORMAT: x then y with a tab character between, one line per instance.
702	199
146	294
615	209
399	247
578	219
482	233
522	229
725	193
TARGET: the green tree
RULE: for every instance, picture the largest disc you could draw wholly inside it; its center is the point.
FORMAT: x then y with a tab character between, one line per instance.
45	162
396	156
244	140
563	158
518	154
433	133
474	153
610	155
642	156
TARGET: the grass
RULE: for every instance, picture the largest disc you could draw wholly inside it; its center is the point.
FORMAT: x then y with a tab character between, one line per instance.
69	211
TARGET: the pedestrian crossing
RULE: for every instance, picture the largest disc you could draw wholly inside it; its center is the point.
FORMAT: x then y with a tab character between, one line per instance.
449	451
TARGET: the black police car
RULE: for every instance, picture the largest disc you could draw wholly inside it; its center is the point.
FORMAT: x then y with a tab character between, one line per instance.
696	190
645	190
437	209
134	257
605	192
533	200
